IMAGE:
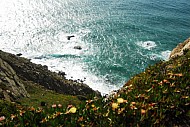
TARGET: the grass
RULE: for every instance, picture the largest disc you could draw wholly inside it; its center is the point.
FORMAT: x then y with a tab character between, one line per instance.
158	97
39	94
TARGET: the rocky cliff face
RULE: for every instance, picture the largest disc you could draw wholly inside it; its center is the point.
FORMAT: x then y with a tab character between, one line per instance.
11	87
180	49
19	69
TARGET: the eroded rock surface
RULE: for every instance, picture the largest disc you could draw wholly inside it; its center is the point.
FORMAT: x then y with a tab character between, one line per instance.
11	87
180	49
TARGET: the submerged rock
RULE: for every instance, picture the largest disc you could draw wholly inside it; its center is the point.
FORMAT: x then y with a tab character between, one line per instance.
78	47
69	37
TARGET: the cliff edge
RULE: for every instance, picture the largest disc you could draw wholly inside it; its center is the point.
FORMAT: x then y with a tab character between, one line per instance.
180	49
15	70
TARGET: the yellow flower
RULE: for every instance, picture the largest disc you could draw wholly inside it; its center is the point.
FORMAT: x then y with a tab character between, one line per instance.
72	110
120	100
115	105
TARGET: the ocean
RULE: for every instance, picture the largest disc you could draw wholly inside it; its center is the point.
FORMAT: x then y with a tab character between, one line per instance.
103	42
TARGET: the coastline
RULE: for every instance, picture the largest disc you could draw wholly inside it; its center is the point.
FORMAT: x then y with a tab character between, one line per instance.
36	73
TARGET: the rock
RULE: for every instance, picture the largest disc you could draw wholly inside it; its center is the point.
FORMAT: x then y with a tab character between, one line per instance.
179	50
78	47
69	37
11	86
19	54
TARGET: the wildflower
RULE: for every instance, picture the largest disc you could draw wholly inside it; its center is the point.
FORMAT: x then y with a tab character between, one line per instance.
13	116
114	106
44	120
121	110
166	81
133	107
177	91
54	106
179	75
160	83
143	111
59	105
32	109
58	114
22	112
72	110
89	101
95	109
152	104
185	97
2	118
92	106
80	119
133	103
39	110
120	100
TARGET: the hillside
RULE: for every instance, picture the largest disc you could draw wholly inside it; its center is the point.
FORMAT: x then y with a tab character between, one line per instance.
159	96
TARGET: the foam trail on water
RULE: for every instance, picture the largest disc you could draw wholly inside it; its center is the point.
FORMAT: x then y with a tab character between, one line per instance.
147	44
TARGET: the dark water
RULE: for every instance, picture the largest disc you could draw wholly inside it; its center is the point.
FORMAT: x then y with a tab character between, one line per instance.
119	38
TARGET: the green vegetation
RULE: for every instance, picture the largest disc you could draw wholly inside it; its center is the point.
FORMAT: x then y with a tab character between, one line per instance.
157	97
39	94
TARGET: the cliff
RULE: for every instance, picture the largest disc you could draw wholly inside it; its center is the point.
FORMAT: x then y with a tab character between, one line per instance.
16	71
11	87
180	49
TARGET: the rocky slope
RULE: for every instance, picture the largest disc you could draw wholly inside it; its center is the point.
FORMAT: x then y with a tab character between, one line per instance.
16	71
180	49
11	87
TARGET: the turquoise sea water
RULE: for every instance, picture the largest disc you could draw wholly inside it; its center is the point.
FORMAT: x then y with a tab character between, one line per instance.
119	38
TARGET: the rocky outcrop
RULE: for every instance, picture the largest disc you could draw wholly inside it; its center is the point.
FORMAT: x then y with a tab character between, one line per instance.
11	87
179	50
28	71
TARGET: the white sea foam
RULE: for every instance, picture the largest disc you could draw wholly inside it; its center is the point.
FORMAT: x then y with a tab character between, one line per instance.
147	44
77	70
45	50
166	54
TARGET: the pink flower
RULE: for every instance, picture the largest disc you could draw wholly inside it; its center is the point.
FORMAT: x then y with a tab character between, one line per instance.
2	118
59	105
54	106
